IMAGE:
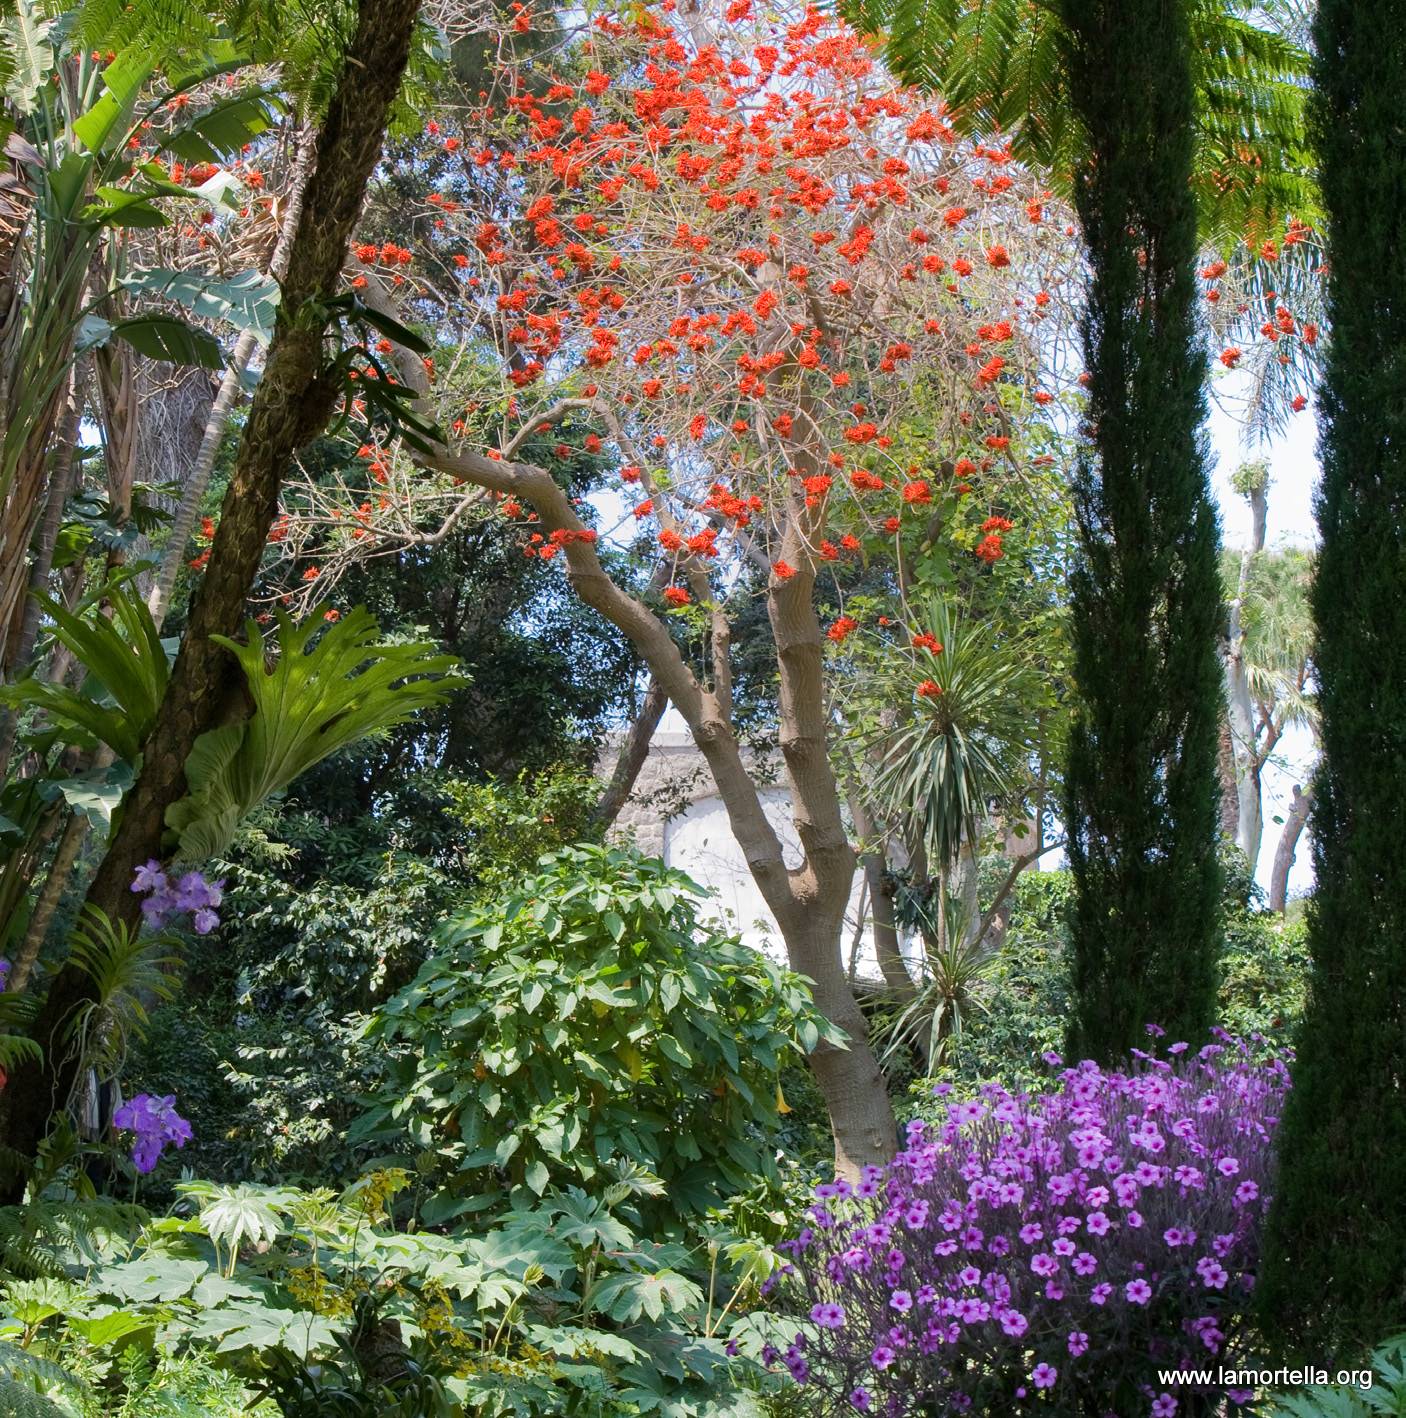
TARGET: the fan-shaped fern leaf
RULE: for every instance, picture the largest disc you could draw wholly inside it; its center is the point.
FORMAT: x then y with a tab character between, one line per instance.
18	1401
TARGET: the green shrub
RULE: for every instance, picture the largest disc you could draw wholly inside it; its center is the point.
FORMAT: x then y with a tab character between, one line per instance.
321	1301
591	1016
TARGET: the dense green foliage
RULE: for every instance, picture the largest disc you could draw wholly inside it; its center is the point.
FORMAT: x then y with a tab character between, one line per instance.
591	1022
352	1064
1338	1257
329	914
1141	794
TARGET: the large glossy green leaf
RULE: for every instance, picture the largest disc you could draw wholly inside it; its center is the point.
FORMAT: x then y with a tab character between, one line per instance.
105	123
165	337
223	130
248	301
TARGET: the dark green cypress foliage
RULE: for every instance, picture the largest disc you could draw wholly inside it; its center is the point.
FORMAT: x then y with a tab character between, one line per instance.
1336	1255
1141	797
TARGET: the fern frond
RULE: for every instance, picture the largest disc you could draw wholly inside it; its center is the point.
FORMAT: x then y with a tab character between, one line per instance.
42	1238
1001	67
17	1400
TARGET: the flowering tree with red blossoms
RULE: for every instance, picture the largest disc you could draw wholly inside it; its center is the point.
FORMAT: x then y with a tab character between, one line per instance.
747	259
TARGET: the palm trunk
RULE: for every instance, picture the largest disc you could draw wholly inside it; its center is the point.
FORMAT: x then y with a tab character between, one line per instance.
292	405
193	493
60	482
47	903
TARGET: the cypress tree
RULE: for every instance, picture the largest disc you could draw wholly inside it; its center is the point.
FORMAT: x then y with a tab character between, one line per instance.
1141	793
1336	1249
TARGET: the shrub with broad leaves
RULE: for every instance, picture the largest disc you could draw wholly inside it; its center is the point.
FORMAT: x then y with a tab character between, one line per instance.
596	1014
1052	1252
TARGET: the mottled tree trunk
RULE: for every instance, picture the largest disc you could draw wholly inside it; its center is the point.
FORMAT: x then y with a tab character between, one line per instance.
1287	850
634	749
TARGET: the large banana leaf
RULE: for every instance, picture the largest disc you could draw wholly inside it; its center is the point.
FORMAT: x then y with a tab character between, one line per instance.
308	703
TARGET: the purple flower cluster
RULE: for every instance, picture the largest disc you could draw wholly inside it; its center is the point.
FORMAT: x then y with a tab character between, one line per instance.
1049	1252
155	1122
191	893
4	974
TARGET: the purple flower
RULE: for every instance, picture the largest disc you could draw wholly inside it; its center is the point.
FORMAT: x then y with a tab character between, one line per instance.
1163	1406
859	1398
4	974
1021	1189
1044	1376
1212	1273
192	894
828	1315
149	877
155	1122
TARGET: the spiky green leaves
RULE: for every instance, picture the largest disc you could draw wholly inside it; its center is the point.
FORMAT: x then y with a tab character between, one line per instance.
310	699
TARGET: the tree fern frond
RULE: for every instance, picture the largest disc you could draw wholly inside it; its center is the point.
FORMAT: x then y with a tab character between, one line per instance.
18	1400
1001	67
42	1238
20	1366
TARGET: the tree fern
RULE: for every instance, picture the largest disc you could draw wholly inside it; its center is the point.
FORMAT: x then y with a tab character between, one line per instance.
1001	67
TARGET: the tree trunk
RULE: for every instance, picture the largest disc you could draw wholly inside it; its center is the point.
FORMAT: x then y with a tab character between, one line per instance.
887	950
60	481
633	751
1225	770
1240	710
808	902
292	405
851	1081
50	894
1287	849
193	493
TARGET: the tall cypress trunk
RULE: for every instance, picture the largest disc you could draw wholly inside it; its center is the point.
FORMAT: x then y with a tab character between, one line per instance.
1335	1278
292	404
1141	787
